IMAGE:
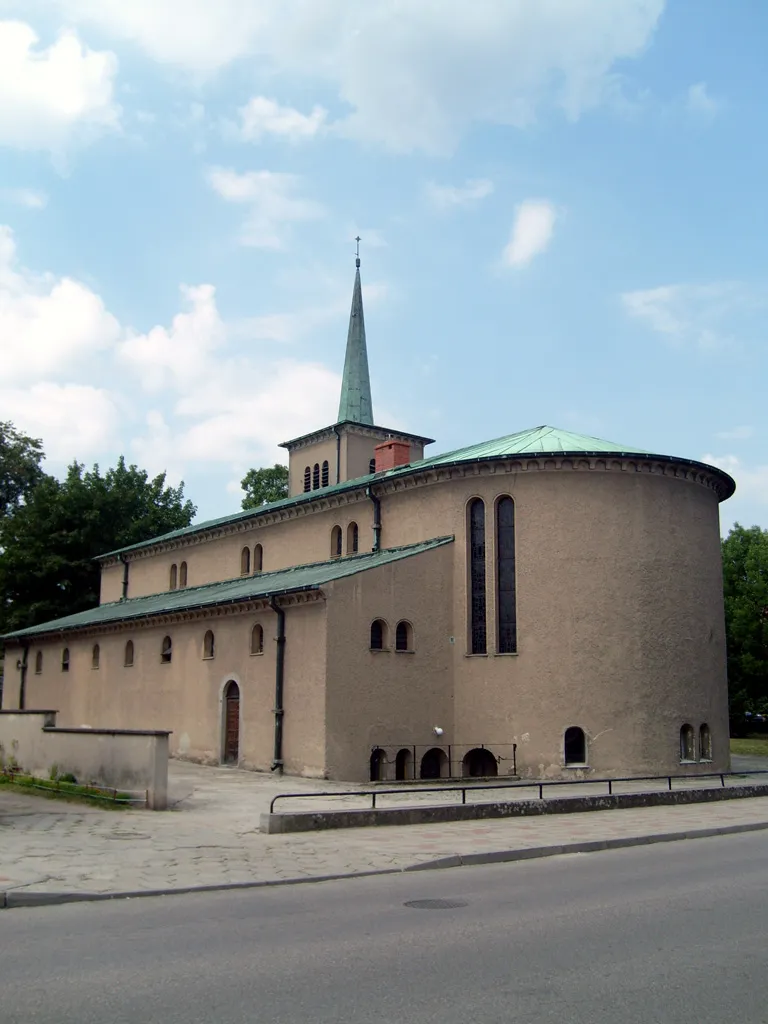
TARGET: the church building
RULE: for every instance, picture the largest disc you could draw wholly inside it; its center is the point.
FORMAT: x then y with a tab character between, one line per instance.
544	604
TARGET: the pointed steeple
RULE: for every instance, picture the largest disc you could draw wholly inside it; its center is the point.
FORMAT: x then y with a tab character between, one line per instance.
355	401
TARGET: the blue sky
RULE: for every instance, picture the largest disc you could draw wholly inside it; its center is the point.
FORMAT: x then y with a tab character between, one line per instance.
561	203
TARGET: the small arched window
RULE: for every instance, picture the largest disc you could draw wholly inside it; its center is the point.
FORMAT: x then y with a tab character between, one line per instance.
258	558
65	660
128	660
315	476
208	644
378	635
687	743
404	636
38	663
307	479
336	542
95	656
324	477
183	574
174	577
245	561
166	650
353	539
257	639
372	466
575	745
705	743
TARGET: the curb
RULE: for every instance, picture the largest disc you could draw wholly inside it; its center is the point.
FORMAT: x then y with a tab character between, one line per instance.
11	900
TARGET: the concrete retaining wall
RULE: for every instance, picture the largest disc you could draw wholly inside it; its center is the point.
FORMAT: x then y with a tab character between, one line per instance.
117	759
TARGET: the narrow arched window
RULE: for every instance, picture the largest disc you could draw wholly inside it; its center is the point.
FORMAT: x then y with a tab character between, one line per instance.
372	466
478	642
307	479
245	561
378	635
166	650
705	743
257	640
404	636
173	581
575	745
128	660
258	558
315	476
506	609
208	644
65	660
687	743
38	663
95	656
324	477
183	574
353	539
336	542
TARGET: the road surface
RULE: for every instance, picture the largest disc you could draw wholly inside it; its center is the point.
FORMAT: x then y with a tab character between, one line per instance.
669	933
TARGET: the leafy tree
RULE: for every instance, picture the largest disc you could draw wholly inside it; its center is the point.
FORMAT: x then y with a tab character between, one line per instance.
20	458
48	545
745	582
264	485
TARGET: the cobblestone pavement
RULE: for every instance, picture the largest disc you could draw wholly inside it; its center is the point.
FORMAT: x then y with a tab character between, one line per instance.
211	836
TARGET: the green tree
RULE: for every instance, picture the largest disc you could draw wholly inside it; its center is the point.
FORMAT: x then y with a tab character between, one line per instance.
20	458
264	485
745	587
48	545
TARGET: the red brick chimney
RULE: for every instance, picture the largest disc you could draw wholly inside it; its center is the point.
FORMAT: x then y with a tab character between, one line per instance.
391	454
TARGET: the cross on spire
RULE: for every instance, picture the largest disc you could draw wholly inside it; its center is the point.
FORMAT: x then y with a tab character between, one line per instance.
357	251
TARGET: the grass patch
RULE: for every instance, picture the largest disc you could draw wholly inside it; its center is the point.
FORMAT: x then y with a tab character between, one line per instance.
71	791
751	746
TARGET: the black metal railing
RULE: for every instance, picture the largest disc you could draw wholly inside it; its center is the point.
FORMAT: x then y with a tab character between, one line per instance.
408	762
475	787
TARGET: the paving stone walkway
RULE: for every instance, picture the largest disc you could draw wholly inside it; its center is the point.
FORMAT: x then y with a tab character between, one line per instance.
211	838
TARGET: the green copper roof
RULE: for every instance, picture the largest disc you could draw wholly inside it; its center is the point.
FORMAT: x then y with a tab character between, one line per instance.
355	401
244	588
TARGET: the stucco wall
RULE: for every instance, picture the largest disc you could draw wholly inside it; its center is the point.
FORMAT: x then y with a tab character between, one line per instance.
308	455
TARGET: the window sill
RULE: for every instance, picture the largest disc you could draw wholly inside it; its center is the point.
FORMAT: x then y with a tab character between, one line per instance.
208	657
127	666
476	655
687	760
379	650
407	651
257	654
577	764
705	760
506	654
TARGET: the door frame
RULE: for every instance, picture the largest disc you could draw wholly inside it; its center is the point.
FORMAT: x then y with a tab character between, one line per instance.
232	678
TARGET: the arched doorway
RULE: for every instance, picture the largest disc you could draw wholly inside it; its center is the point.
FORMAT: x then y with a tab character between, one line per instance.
403	764
231	723
434	764
378	760
479	763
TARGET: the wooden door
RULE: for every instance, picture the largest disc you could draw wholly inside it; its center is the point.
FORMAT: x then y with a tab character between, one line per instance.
232	724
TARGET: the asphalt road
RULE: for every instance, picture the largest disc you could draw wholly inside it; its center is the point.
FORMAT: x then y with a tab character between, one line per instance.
668	933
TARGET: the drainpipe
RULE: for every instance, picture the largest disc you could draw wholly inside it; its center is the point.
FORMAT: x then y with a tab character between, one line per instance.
21	665
376	518
335	429
277	761
124	560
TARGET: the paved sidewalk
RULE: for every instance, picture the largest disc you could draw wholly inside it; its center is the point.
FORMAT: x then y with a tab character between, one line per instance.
48	846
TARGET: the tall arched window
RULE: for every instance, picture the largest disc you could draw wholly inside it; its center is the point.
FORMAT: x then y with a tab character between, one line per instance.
378	635
315	476
687	743
258	557
307	479
324	477
257	640
166	650
95	656
208	644
65	660
353	539
575	745
404	636
505	576
183	574
173	581
705	743
336	542
478	642
128	660
38	663
245	561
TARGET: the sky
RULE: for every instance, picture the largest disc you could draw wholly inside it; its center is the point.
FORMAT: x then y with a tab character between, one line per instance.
561	203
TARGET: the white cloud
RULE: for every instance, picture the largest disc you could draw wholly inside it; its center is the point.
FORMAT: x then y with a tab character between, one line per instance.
273	205
446	197
706	316
50	96
699	101
736	434
47	324
531	232
31	198
413	75
262	116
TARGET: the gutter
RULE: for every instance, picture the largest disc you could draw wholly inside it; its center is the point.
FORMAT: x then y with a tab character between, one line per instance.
279	710
21	665
335	429
376	518
124	594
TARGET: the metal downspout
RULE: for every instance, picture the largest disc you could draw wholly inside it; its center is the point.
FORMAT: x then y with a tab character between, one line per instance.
376	518
279	710
124	560
336	431
21	665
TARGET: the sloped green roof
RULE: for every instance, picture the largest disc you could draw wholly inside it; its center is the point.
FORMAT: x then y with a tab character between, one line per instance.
244	588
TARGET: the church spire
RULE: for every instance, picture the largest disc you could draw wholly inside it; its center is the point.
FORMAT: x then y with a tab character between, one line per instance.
355	401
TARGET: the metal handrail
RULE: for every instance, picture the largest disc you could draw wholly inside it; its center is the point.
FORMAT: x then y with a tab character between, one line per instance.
373	793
